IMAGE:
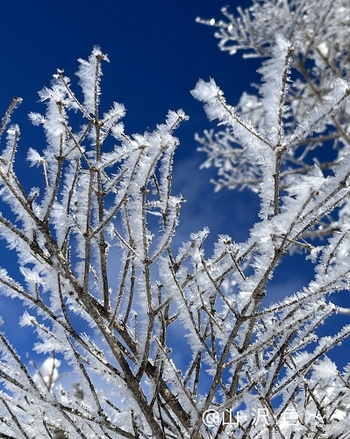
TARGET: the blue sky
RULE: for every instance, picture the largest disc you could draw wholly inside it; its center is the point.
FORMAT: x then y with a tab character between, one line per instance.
157	54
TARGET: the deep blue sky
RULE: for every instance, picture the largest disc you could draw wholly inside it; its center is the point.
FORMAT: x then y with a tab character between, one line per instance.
157	54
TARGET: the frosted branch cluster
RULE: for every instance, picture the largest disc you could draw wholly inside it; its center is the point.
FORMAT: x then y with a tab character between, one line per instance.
171	343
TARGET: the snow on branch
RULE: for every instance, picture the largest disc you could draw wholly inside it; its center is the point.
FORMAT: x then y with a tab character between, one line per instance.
144	337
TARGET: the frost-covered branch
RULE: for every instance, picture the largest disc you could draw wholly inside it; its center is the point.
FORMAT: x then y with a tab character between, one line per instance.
161	342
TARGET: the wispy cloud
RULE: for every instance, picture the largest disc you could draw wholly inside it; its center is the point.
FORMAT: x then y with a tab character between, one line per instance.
224	212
